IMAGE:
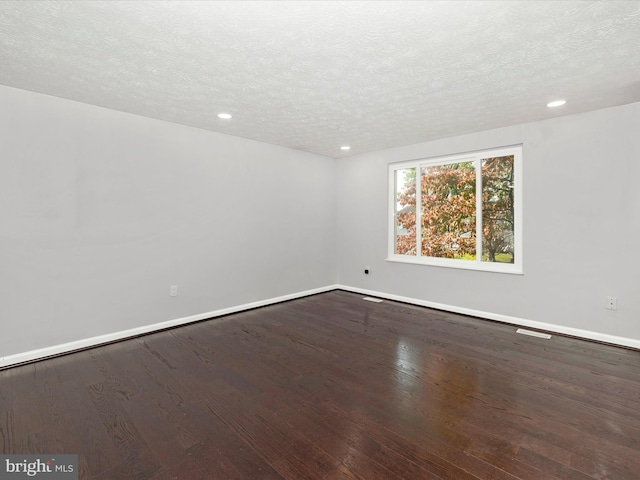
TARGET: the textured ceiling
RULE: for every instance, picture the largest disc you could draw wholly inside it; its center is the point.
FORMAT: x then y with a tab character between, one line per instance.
317	75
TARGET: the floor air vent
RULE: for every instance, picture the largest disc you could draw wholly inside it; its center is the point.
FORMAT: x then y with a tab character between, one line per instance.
371	299
533	334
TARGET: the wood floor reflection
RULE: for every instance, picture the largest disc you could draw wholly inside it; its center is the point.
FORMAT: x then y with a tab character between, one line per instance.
333	387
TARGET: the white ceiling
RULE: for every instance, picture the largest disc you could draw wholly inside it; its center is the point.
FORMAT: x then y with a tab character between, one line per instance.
317	75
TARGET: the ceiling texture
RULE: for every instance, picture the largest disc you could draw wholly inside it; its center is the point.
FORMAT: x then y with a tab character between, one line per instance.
315	75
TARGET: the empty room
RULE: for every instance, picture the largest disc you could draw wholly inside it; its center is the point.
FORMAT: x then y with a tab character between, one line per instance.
291	240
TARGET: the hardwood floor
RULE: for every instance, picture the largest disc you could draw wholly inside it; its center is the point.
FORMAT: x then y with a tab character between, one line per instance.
333	387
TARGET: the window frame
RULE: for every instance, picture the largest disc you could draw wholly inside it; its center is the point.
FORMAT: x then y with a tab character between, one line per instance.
476	157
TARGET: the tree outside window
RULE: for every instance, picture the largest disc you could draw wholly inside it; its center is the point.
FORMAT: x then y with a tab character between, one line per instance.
456	225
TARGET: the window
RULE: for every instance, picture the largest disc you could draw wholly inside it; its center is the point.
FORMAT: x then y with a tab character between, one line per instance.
466	213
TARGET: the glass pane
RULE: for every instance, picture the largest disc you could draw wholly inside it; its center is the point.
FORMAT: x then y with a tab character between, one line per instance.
405	214
497	209
449	211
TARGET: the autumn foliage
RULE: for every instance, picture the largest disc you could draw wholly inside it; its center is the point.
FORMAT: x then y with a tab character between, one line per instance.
448	214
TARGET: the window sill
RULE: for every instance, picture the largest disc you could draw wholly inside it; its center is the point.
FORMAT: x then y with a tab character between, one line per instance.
509	268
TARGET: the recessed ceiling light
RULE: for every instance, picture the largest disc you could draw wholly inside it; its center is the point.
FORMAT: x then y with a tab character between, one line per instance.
345	147
225	116
557	103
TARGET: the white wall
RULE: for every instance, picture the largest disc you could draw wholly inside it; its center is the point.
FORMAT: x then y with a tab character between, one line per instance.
581	226
101	211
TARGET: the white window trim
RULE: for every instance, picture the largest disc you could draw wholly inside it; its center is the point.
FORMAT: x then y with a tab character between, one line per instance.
478	264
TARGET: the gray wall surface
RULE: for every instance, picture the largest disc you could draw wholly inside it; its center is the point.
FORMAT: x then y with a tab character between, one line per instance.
581	225
101	211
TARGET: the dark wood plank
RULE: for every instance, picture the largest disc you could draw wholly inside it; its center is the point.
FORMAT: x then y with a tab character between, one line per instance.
332	387
136	459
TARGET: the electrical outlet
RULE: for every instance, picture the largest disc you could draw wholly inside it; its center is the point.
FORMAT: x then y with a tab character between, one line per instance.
612	303
174	291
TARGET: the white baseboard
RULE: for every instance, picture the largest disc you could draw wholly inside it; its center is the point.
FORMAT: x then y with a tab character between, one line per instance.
112	337
550	327
133	332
